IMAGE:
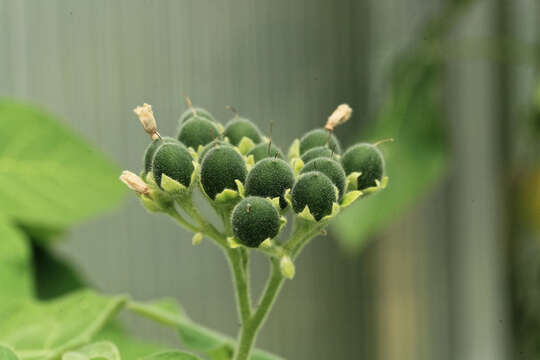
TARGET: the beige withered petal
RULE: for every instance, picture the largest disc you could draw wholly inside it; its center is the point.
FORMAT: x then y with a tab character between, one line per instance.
146	117
341	115
134	182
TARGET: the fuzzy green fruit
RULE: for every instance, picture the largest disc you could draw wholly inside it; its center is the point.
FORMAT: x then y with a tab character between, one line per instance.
254	220
220	167
151	150
174	161
319	137
210	146
188	114
260	152
270	178
316	152
197	131
366	159
330	168
315	190
239	127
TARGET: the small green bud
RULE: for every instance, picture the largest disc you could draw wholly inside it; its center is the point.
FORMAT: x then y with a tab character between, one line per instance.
319	137
366	159
316	152
270	178
220	168
330	168
197	131
286	267
151	150
197	238
173	160
260	152
315	190
239	127
254	220
210	146
190	114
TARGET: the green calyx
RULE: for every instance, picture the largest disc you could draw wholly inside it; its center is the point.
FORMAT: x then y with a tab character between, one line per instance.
151	150
316	191
367	160
195	112
319	137
175	161
197	131
220	168
261	151
317	152
330	168
254	220
210	146
270	178
238	127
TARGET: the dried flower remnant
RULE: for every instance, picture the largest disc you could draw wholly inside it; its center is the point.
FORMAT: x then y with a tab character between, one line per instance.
146	117
341	115
134	182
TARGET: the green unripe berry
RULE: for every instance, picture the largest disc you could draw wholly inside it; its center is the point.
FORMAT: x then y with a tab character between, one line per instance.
254	220
197	131
366	159
210	146
220	167
316	152
239	127
315	190
330	168
188	114
173	160
270	178
151	150
319	137
260	151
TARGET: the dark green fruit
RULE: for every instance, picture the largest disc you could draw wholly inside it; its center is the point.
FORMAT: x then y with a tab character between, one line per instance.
239	127
174	161
254	220
316	152
330	168
270	178
197	131
188	114
260	152
151	150
210	146
315	190
318	137
368	160
220	167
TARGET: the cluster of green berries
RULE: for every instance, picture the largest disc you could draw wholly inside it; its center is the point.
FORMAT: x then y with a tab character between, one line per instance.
270	184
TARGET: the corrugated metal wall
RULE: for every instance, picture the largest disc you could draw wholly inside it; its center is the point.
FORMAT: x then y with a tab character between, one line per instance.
291	62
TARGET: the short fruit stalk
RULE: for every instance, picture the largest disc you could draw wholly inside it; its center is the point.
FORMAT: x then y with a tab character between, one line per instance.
244	177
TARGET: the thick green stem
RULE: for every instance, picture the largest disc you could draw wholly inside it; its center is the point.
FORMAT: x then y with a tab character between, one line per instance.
241	284
249	330
183	222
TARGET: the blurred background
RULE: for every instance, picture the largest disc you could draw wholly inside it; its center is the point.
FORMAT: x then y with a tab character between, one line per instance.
445	264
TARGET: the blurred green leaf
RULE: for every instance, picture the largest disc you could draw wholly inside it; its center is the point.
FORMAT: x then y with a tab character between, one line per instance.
15	268
102	350
415	161
45	330
49	176
195	337
171	355
7	354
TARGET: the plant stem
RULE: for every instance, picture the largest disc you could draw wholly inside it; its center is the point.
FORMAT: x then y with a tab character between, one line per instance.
241	284
183	222
249	330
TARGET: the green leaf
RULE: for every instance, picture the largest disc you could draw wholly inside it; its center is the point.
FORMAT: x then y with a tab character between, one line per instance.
195	337
45	330
7	354
171	355
102	350
49	176
417	159
15	267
